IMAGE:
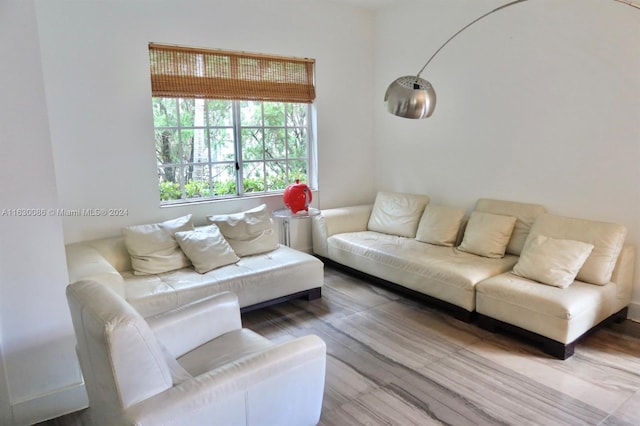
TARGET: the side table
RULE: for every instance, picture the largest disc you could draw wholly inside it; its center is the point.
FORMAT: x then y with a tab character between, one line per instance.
286	215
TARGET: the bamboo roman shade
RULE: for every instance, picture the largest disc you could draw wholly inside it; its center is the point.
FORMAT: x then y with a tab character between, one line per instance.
218	74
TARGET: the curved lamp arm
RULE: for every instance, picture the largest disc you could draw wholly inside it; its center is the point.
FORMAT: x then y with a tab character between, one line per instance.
464	28
414	97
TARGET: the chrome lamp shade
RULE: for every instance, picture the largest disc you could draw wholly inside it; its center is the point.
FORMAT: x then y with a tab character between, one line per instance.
410	97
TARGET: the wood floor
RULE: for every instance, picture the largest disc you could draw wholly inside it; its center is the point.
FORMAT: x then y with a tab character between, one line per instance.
395	361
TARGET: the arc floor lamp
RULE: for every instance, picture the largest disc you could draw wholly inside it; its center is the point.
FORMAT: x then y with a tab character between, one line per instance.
414	97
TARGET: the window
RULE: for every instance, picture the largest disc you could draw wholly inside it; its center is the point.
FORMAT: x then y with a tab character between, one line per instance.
220	131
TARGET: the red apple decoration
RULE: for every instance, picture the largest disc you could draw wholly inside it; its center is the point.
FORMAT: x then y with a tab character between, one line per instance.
297	197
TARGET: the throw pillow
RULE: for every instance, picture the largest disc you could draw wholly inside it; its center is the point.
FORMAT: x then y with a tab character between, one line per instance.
525	214
487	234
397	214
206	248
440	225
249	232
607	239
153	247
552	261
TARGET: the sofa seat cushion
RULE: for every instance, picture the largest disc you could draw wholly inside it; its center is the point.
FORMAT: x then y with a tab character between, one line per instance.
223	350
441	272
561	314
253	279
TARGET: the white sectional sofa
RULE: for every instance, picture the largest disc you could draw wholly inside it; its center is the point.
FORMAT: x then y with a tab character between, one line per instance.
248	261
510	264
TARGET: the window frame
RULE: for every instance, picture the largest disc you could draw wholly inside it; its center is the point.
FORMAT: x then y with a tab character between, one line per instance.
239	160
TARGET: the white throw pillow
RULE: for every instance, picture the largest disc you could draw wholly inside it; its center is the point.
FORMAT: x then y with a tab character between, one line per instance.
153	247
487	234
206	248
249	232
440	225
525	214
397	214
607	239
552	261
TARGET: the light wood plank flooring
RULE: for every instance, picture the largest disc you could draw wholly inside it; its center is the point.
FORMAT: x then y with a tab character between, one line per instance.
395	361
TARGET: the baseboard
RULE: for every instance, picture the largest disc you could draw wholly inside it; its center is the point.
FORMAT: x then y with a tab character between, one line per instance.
54	404
634	311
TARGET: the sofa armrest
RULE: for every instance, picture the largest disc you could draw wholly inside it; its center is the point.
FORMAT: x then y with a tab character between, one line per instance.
249	386
623	274
86	263
337	221
185	328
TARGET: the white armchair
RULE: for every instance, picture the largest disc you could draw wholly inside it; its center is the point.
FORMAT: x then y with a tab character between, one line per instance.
194	365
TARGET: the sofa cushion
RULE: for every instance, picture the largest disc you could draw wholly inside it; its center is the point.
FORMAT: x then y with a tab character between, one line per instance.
254	279
559	314
206	248
524	213
487	234
440	225
607	240
397	214
223	350
441	272
153	247
248	232
552	261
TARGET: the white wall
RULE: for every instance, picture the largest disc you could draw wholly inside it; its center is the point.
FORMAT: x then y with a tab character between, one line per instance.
76	132
40	373
96	72
538	103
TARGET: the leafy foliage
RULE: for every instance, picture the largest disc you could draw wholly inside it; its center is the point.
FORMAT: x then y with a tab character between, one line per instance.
198	189
196	136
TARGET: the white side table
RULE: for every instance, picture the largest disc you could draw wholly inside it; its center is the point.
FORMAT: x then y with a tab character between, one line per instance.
286	215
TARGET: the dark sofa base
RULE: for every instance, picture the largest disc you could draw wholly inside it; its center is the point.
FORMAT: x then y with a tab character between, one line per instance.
311	294
552	347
